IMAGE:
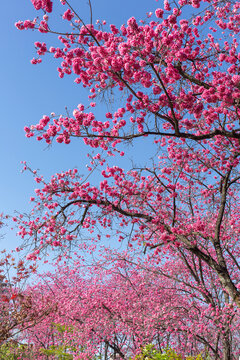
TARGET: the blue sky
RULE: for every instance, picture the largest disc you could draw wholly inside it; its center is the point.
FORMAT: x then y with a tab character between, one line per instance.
27	92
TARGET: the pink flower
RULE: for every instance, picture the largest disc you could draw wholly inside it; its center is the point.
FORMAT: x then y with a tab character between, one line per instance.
68	15
43	4
19	25
108	115
159	13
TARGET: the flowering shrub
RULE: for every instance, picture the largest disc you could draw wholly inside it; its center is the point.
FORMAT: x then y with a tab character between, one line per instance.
150	353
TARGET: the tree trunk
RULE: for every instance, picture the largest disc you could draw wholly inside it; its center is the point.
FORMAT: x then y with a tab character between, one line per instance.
227	353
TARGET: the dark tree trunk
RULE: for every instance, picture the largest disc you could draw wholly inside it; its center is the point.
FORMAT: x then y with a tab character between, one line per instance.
227	348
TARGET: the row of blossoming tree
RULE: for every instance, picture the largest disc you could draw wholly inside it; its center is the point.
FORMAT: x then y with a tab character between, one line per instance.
121	305
175	78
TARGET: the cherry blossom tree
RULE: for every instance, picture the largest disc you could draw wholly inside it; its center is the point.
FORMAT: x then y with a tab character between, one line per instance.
118	309
16	310
180	87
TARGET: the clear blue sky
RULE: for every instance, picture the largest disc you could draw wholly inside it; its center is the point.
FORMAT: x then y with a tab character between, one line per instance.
27	92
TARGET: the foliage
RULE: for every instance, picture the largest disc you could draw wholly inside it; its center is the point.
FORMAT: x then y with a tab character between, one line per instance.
13	350
59	352
62	351
150	353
